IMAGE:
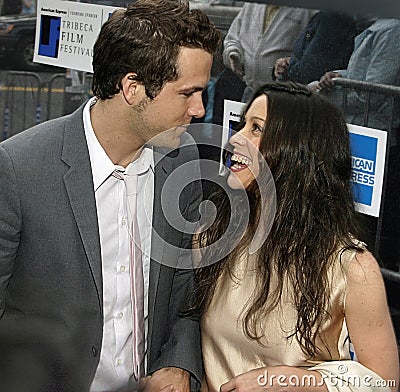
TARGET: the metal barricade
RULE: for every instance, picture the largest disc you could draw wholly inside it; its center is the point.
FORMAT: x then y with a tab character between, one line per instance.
385	90
55	96
77	91
22	102
381	101
27	100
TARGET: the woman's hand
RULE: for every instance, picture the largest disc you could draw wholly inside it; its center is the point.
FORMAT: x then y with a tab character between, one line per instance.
248	381
276	378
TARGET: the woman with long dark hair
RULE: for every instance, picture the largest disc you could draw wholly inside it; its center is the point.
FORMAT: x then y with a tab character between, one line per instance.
280	315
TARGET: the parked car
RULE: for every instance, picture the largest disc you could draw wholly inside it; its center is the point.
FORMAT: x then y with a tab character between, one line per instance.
17	39
17	32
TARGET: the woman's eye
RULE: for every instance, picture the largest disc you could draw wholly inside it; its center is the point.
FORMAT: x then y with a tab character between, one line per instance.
257	128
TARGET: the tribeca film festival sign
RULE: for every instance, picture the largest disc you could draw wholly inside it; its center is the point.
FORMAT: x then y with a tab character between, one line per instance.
368	150
66	32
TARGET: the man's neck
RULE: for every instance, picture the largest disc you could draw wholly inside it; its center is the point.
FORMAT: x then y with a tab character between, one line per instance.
114	134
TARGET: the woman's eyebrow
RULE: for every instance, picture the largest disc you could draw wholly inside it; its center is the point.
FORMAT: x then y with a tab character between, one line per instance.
255	118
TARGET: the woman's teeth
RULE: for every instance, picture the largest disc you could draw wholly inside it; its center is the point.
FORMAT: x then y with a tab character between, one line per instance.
240	159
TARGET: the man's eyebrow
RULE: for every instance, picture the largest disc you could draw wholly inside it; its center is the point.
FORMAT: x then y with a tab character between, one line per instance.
191	89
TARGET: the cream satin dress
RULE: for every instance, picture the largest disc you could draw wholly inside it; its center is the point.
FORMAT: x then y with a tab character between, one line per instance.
228	352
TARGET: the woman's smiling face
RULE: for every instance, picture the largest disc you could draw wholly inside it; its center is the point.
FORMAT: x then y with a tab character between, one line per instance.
244	161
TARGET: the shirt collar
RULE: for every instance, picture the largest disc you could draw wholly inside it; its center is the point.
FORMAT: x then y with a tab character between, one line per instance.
143	163
102	166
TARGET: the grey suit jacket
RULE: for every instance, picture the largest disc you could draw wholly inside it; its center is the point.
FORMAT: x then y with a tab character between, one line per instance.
50	258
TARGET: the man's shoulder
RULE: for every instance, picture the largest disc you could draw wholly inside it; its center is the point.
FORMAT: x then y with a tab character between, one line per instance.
385	26
33	139
38	137
254	6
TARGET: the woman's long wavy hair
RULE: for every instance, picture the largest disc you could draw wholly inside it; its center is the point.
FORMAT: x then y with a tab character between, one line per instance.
306	145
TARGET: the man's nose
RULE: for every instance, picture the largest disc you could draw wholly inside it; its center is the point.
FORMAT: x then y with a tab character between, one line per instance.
197	108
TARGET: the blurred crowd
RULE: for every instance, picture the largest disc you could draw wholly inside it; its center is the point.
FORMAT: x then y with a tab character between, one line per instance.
269	42
14	7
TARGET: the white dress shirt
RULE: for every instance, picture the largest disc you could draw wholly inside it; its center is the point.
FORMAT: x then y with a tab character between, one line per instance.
115	369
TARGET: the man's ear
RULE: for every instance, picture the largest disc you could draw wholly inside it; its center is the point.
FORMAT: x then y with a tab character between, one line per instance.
131	88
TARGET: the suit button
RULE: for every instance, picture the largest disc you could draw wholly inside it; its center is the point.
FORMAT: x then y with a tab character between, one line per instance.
94	351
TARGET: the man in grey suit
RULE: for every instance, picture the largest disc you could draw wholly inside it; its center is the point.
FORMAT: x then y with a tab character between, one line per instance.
64	244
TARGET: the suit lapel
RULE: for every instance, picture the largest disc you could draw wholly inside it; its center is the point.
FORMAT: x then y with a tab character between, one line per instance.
163	168
79	185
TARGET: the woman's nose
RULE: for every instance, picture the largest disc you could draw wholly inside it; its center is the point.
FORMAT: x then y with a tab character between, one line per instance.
238	138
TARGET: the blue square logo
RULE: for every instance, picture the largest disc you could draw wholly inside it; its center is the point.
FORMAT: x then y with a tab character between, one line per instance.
364	151
49	35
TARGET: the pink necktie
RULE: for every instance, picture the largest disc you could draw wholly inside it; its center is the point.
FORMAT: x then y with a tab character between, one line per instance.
137	292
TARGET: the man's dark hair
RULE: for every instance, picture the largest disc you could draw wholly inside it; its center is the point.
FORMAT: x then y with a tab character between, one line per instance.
146	39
